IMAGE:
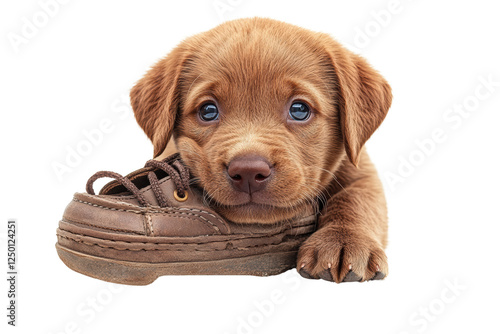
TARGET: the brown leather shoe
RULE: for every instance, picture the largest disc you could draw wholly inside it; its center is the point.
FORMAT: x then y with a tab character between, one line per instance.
153	222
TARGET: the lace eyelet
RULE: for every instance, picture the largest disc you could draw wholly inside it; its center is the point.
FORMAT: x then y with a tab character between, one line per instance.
180	199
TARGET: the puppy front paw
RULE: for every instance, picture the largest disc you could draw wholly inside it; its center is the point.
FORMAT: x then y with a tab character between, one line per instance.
339	255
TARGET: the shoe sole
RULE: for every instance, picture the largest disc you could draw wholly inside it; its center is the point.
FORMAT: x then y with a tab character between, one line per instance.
139	273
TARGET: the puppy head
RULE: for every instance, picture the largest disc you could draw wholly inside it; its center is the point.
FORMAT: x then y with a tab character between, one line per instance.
262	112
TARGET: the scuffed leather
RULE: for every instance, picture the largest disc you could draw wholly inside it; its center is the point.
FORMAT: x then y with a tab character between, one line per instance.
115	226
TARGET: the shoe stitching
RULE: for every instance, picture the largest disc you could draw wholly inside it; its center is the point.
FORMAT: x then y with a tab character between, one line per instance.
163	249
211	215
166	211
161	211
146	225
102	227
150	223
206	221
180	243
108	208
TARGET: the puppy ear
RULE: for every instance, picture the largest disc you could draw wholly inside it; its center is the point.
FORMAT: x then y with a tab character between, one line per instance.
155	99
364	98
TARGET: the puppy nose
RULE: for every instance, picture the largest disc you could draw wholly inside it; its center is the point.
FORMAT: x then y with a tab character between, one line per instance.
249	173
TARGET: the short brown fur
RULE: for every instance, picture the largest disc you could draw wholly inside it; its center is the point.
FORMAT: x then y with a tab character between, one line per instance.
253	69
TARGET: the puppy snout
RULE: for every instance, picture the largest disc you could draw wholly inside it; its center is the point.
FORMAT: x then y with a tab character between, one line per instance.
249	173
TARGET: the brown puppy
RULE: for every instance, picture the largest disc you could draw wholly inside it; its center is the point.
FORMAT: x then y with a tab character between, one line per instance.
271	117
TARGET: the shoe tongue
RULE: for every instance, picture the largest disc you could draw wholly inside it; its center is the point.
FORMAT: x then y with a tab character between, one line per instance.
138	177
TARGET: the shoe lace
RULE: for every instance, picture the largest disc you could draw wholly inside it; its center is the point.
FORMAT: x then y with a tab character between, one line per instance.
172	166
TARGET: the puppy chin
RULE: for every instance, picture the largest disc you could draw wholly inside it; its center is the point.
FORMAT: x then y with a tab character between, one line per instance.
238	198
257	213
259	207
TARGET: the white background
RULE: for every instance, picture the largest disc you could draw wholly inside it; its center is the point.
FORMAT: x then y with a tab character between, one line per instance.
444	219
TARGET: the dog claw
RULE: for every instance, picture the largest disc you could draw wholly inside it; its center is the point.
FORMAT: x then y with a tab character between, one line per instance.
306	274
326	275
378	276
352	277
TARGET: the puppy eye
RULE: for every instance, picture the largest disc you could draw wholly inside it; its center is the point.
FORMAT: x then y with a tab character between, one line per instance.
299	111
209	112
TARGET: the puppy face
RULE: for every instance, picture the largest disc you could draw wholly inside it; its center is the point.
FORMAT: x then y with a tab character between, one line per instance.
258	110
